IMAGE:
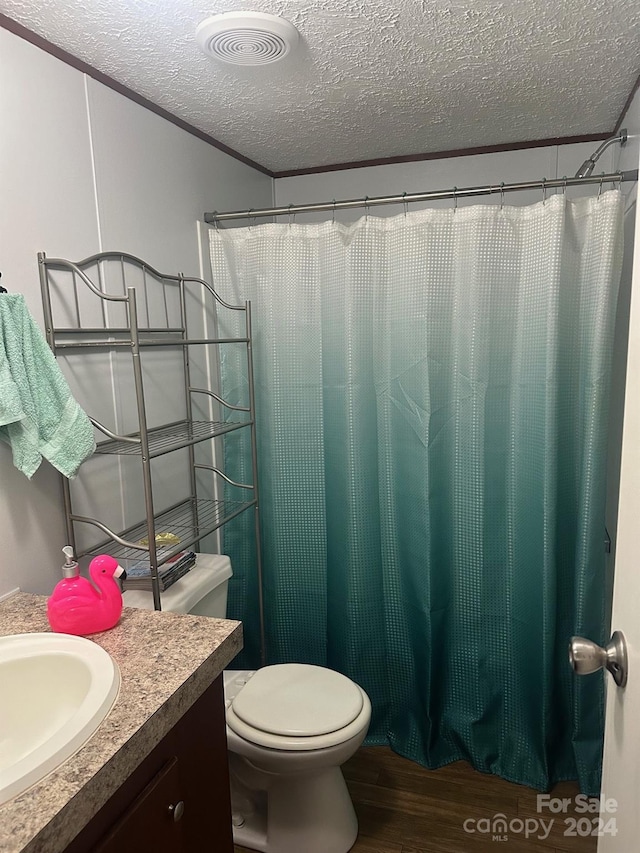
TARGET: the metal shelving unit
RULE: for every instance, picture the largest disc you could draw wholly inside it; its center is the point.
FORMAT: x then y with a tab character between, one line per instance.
194	517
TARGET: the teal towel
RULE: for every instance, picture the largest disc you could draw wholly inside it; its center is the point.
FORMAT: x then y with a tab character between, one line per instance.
38	415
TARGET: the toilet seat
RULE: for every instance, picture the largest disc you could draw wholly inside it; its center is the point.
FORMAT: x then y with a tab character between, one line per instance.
298	707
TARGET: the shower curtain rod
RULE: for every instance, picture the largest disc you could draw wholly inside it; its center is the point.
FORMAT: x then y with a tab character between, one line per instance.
455	193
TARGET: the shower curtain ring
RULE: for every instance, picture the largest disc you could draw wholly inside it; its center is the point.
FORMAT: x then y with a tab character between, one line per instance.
215	220
600	190
405	203
564	185
501	195
366	208
455	199
333	215
291	215
544	190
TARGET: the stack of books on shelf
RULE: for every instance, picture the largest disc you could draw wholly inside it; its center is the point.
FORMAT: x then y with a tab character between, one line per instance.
139	571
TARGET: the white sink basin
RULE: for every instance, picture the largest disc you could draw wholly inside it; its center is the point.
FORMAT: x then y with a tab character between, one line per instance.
55	690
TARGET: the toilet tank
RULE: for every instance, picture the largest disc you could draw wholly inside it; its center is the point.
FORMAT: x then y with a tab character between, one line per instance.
201	592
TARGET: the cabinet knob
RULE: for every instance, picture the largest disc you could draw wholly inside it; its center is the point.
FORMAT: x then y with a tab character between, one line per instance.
176	810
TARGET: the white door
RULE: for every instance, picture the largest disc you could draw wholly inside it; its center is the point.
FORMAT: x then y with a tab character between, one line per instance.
621	771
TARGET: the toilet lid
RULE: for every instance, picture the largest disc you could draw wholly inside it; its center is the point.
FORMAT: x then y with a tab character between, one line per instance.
298	700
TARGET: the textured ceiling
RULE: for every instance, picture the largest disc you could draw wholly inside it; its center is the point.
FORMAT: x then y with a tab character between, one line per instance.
368	79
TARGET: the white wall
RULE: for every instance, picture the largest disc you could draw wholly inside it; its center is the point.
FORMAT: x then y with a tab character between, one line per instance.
624	158
85	169
621	760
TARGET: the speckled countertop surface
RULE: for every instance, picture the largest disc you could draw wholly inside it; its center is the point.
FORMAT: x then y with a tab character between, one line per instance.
166	662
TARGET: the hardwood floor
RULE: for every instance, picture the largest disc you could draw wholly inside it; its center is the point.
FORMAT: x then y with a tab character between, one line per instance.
403	808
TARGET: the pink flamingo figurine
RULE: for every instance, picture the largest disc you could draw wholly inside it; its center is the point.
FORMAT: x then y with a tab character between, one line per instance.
77	607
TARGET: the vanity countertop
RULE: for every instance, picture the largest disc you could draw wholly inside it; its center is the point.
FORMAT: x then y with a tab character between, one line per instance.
166	662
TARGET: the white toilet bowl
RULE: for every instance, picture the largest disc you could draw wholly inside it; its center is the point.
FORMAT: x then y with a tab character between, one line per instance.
289	730
290	727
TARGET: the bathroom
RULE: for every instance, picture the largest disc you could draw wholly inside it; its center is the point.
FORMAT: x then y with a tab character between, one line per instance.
93	169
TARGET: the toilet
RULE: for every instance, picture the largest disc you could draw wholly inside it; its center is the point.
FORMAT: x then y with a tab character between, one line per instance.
290	727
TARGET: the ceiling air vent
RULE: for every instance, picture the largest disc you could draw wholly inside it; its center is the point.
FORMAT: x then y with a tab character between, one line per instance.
246	38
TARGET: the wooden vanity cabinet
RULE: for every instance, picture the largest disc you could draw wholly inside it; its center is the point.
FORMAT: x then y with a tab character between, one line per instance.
177	800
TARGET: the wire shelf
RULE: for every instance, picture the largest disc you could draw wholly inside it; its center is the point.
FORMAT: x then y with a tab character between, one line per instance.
166	439
189	521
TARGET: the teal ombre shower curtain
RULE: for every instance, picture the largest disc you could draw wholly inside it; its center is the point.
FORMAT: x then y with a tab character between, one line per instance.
432	413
